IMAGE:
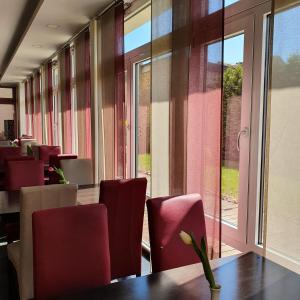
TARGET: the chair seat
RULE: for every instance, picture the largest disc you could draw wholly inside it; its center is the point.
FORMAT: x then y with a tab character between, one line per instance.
14	252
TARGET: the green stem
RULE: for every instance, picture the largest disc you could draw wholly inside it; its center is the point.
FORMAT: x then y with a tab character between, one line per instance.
205	262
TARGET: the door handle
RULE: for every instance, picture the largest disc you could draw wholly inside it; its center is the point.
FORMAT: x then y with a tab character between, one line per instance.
245	132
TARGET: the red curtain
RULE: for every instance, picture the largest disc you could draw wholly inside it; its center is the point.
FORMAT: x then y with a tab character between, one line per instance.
204	113
119	91
37	112
187	73
27	116
83	95
112	86
49	105
88	129
66	102
31	106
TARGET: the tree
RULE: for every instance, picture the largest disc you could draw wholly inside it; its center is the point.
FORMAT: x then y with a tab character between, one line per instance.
233	80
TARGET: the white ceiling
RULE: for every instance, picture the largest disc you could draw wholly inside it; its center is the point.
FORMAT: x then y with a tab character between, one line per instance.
70	15
10	14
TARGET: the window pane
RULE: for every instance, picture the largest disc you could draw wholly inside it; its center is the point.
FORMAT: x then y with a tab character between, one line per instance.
283	206
6	93
7	122
143	115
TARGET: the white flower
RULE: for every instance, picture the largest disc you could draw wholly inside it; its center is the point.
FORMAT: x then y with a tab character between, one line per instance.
186	238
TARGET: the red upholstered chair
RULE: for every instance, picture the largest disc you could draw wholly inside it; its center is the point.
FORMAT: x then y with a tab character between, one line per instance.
70	250
125	202
24	173
167	216
18	158
7	152
46	151
54	161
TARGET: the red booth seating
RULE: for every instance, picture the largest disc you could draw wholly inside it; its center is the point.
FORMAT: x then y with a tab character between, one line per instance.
24	173
167	216
54	161
70	250
46	151
125	202
7	152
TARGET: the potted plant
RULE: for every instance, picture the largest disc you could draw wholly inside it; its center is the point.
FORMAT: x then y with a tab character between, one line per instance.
60	173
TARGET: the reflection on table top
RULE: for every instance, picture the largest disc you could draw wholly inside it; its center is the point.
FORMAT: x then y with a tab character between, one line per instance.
248	276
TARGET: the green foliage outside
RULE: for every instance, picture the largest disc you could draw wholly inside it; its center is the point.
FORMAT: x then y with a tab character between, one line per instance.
144	162
233	80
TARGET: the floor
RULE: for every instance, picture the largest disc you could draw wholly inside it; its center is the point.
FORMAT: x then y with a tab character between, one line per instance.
230	211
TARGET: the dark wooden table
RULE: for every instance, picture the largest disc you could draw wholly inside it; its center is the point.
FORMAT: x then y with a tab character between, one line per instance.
248	276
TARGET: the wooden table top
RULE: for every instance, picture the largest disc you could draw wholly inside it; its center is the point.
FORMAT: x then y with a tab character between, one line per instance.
248	276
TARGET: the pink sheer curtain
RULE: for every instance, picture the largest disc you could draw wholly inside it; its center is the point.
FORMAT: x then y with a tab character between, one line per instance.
37	112
27	116
66	100
31	97
204	113
187	72
119	90
49	103
88	128
112	86
83	95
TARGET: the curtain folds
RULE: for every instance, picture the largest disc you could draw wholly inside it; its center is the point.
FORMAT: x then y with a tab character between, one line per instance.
112	87
83	95
187	78
66	99
27	104
37	111
31	101
49	103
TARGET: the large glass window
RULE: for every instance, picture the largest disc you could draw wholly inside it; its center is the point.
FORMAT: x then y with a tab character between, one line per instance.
283	176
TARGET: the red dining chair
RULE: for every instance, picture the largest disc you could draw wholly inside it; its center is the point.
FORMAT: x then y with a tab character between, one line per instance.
125	202
7	152
18	158
167	216
45	152
54	161
70	250
23	173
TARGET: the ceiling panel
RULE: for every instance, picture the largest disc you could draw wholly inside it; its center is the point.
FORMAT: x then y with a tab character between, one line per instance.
40	41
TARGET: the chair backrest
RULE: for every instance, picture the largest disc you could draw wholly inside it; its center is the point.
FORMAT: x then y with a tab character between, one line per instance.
8	151
167	216
71	250
34	199
54	161
45	152
18	158
125	202
78	171
22	173
4	143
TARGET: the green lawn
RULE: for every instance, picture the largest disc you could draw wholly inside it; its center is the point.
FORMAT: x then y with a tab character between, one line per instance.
144	161
230	177
230	182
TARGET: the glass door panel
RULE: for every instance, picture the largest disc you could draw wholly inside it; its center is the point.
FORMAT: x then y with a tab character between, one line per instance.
233	81
142	121
238	64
